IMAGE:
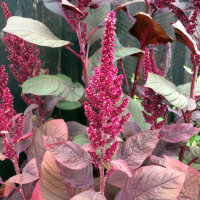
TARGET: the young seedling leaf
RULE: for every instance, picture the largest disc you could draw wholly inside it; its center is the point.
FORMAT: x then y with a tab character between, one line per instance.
56	128
67	153
120	165
138	147
33	31
167	89
184	37
178	132
82	178
89	195
130	128
148	31
153	182
55	86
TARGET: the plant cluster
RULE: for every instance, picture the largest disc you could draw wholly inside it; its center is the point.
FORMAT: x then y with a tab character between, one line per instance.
127	150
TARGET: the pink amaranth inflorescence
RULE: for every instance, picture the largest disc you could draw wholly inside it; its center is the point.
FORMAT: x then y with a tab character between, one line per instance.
153	104
103	94
26	64
8	126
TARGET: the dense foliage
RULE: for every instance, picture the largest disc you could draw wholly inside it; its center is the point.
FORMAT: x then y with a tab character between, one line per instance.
129	150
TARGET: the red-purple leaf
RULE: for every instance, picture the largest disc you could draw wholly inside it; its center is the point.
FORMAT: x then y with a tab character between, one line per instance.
121	165
89	195
75	128
36	192
184	37
166	148
67	153
29	174
130	128
25	137
118	179
82	178
138	147
191	187
148	31
153	182
51	183
184	6
178	132
56	128
66	4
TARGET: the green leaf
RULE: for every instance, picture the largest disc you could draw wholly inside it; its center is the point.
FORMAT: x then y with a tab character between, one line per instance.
187	69
136	113
167	89
55	86
185	89
126	51
195	151
95	18
67	105
33	31
81	139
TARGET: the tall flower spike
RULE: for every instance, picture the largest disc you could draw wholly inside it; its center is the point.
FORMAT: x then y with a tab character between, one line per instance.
24	57
152	102
102	95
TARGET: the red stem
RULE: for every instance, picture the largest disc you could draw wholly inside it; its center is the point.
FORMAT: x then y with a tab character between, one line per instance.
137	76
148	3
92	33
102	177
193	160
72	51
129	15
125	77
187	120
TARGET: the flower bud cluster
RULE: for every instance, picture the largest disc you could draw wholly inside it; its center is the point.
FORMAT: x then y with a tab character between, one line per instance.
103	94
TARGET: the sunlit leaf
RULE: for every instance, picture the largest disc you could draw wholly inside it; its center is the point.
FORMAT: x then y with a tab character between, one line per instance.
153	182
178	132
184	37
138	147
53	85
67	153
89	195
56	128
148	31
33	31
167	89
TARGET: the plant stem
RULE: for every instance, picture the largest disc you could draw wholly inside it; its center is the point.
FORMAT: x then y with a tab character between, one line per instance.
129	15
137	75
102	177
187	120
92	33
193	160
125	77
72	51
148	3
